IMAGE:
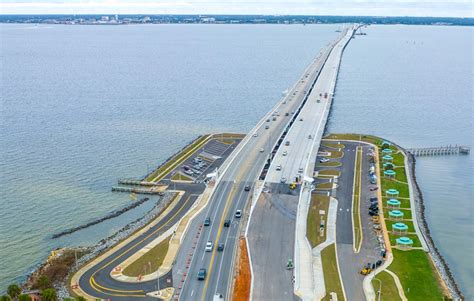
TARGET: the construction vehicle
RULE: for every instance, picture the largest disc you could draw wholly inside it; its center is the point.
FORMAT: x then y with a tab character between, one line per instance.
293	186
366	270
289	264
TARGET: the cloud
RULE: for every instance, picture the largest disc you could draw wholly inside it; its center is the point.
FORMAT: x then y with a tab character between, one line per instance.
443	8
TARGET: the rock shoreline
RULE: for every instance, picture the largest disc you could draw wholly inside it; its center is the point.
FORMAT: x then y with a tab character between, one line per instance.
100	220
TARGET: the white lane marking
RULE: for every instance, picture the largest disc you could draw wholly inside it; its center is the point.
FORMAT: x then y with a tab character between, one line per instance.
192	293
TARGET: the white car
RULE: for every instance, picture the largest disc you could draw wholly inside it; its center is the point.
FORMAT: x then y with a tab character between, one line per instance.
262	150
238	214
278	167
255	135
285	153
209	246
324	160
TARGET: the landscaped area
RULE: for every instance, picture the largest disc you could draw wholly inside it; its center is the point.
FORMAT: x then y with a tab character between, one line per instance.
150	261
318	202
386	284
331	273
356	200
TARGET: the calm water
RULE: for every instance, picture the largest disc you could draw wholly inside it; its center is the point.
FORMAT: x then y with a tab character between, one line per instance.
414	85
85	105
82	106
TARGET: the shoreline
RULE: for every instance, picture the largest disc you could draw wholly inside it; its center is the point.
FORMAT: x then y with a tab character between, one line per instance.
437	258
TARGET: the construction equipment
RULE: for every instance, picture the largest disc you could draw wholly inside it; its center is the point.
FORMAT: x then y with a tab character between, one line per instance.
289	264
366	270
293	186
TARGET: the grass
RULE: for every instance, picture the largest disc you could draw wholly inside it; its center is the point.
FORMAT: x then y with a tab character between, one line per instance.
318	202
417	275
408	223
335	154
403	203
160	172
356	200
332	144
389	291
151	260
367	138
331	273
401	187
180	177
329	172
406	213
327	185
329	164
414	237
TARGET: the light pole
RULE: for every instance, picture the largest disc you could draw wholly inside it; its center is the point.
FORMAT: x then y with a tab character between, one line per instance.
380	287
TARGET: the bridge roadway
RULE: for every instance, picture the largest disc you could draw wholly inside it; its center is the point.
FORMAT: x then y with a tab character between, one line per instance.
269	244
230	196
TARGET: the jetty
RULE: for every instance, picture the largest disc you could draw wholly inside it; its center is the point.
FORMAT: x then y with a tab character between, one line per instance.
441	150
136	190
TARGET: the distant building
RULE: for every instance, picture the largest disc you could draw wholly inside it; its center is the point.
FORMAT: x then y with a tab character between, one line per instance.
208	20
104	18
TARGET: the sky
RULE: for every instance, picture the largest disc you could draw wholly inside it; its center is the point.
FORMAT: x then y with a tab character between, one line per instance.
431	8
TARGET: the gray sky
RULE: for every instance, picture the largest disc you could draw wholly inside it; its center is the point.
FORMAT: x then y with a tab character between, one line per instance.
442	8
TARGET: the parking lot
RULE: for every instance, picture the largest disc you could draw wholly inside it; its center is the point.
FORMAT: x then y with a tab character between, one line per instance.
336	176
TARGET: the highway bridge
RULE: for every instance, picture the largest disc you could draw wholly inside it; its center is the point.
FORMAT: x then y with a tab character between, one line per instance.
301	113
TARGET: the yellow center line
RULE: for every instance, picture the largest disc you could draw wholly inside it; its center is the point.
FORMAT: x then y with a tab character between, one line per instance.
92	280
219	231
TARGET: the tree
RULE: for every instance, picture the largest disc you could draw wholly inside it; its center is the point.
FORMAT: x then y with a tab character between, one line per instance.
49	294
13	291
43	283
80	298
5	298
24	297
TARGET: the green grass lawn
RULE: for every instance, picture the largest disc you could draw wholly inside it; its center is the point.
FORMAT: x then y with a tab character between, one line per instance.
335	154
403	203
414	237
153	258
318	202
406	213
329	164
329	172
356	200
402	188
389	224
327	185
389	291
332	144
367	138
417	275
331	274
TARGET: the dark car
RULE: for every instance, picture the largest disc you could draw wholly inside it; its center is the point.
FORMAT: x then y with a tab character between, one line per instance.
207	221
372	213
202	274
227	223
220	247
247	188
374	188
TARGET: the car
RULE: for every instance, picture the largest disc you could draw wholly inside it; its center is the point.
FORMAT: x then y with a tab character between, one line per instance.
285	153
283	180
301	119
373	199
300	170
220	247
189	172
374	188
255	135
238	213
227	223
207	221
268	120
278	167
287	143
261	150
185	167
209	246
202	274
323	160
287	114
247	188
267	127
310	137
274	118
372	213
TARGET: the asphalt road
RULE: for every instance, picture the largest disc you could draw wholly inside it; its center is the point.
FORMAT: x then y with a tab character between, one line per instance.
229	196
97	281
271	232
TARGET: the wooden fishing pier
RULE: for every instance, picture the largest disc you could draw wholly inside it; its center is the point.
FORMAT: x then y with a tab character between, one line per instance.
442	150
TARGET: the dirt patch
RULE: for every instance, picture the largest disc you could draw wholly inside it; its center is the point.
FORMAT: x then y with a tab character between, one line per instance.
242	281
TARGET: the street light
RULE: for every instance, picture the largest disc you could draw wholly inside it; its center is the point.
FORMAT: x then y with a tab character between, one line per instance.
380	287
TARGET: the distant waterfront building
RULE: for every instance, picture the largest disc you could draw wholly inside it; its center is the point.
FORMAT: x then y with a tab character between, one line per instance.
105	18
208	20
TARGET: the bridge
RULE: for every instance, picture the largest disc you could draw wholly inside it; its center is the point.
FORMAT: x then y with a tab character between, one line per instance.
441	150
301	113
